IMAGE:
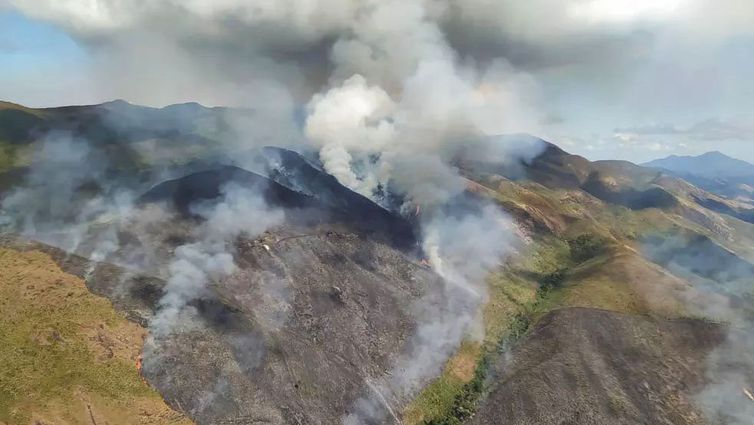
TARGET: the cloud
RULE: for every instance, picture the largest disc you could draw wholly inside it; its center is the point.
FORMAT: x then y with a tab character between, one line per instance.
299	42
594	63
708	129
702	136
715	129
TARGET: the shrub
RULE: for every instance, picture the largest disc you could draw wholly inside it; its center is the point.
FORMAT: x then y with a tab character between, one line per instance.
552	280
585	247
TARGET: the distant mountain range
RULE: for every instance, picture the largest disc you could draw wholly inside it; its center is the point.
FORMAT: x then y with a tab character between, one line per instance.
712	171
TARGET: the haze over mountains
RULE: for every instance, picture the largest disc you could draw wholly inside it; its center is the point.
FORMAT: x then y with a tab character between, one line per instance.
710	165
516	284
712	171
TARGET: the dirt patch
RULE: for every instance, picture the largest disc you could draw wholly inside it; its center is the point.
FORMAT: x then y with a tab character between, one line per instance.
463	364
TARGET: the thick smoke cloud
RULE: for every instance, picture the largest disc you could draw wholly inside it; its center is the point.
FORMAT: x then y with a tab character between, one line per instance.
398	89
665	60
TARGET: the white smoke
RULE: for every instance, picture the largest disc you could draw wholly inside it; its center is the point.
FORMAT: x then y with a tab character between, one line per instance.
462	248
440	108
389	101
66	201
400	104
198	264
352	117
723	292
400	89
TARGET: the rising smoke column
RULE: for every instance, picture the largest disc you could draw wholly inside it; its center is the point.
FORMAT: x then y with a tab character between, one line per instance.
209	258
398	102
399	105
197	265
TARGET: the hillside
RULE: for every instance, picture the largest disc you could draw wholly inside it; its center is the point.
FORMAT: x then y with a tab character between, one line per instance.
623	281
71	358
595	366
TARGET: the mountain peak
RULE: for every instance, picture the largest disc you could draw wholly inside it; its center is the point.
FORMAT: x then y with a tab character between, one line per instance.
713	164
716	154
117	103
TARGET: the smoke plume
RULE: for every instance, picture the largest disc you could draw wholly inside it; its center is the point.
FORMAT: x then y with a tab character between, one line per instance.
209	258
382	94
724	292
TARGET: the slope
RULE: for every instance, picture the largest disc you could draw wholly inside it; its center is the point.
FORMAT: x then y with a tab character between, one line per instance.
68	356
586	366
591	250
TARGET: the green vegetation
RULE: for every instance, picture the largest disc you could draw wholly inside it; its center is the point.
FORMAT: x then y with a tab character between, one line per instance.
585	247
8	156
519	294
61	346
464	402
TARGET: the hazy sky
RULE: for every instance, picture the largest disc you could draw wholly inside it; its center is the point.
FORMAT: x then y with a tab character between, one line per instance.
630	79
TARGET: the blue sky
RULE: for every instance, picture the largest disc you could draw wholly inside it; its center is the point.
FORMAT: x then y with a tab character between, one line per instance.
40	64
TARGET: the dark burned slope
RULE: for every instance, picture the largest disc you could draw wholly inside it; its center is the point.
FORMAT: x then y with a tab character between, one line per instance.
291	169
585	366
319	307
207	185
329	201
295	335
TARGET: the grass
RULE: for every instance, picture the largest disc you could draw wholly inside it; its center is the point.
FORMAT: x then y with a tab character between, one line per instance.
65	351
515	296
436	400
458	386
9	156
551	273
